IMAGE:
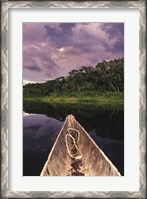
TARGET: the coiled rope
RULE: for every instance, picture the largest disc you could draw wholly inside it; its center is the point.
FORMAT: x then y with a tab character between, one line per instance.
72	139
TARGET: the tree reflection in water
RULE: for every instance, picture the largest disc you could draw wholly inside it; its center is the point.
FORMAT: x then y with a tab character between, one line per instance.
42	123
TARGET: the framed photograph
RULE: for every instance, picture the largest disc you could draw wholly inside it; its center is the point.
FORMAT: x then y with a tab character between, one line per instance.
73	99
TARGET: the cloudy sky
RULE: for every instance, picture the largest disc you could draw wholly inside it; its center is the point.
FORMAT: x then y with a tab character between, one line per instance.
51	50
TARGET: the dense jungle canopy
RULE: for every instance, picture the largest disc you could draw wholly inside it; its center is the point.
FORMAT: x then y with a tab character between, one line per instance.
105	76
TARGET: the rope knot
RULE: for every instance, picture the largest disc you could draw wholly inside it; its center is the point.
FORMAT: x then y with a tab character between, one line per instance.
72	139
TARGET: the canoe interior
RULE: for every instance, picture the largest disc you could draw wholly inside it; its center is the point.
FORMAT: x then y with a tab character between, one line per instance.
93	162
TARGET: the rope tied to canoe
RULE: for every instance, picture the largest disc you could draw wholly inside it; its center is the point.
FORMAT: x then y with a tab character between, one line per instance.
72	139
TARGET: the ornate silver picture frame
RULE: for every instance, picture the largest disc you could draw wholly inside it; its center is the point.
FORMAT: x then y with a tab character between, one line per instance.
6	98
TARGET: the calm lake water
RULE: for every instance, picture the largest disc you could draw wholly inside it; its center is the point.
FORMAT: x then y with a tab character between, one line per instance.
42	123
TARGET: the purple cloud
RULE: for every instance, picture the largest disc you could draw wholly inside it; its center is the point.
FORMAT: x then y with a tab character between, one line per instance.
51	50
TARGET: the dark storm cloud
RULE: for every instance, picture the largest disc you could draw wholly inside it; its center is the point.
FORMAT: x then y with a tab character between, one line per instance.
116	30
62	37
57	48
33	68
118	47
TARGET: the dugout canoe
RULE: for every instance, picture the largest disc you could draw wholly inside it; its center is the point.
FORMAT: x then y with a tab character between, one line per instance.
74	153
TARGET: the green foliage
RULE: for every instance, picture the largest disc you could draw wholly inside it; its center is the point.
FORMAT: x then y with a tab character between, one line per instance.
87	81
107	98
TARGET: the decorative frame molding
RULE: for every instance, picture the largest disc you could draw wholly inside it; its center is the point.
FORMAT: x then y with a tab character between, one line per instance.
141	5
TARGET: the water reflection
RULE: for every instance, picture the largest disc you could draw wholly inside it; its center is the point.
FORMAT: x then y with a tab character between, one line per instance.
114	150
39	134
42	123
106	121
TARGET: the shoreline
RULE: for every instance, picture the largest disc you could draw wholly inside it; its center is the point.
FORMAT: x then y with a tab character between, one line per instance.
75	99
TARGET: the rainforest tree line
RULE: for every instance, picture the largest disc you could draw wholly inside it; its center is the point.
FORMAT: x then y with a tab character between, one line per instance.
105	76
